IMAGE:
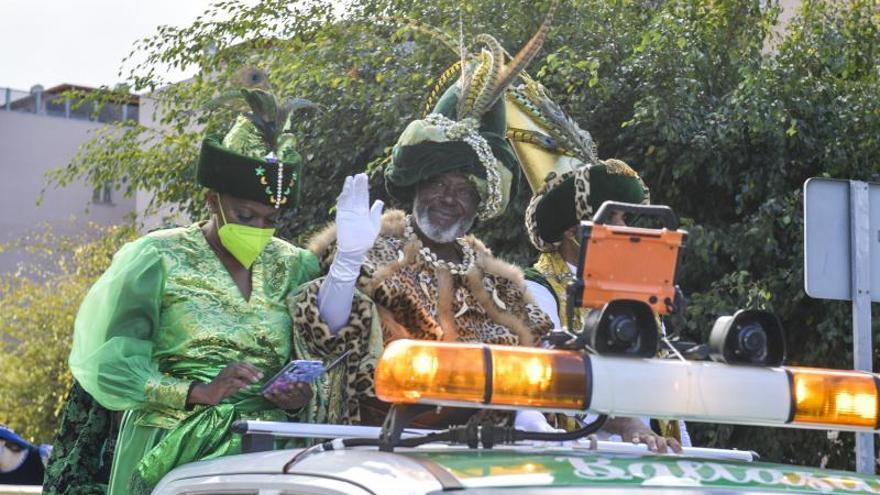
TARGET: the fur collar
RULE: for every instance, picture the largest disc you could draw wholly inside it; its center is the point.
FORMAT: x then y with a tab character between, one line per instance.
394	225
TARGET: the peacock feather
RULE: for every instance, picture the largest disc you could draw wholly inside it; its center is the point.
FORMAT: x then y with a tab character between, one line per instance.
486	74
439	85
477	83
511	70
264	126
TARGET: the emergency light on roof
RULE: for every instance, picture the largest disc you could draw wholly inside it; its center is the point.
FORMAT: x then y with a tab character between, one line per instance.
503	377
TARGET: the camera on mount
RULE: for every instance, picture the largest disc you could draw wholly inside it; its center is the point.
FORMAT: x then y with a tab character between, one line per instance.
626	275
750	337
623	328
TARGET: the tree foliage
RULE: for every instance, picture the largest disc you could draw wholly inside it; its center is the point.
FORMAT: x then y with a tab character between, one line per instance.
724	118
38	303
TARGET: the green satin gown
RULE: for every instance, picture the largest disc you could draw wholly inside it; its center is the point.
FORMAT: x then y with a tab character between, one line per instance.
167	313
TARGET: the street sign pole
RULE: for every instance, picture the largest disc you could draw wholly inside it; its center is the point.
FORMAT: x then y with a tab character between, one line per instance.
860	234
842	262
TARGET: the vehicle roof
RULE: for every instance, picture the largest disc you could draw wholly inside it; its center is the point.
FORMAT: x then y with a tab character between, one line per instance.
439	467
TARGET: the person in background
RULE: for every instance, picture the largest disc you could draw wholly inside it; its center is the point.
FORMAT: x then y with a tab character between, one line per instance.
21	462
569	184
83	446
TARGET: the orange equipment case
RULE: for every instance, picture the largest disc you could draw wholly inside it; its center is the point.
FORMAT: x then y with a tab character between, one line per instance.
630	263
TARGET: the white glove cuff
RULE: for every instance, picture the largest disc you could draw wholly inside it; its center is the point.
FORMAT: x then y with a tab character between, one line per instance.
334	302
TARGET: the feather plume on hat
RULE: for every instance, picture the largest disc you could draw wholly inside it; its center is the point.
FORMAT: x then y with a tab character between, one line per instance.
470	112
257	158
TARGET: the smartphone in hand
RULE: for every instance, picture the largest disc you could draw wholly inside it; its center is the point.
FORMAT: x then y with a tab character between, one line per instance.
300	370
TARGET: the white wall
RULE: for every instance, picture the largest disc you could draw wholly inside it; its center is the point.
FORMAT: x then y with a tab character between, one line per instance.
30	146
149	115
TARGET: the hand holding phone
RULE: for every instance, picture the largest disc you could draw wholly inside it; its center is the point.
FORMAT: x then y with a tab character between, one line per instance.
300	371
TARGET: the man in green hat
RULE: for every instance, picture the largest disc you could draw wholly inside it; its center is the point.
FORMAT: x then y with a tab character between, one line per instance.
419	275
569	184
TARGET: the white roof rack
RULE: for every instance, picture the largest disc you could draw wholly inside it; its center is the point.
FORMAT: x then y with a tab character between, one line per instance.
309	430
316	430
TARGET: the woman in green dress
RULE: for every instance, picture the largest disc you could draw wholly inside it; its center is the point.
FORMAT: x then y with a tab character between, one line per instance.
186	325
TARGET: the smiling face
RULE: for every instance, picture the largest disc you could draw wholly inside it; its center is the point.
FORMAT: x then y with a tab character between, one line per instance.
445	206
243	211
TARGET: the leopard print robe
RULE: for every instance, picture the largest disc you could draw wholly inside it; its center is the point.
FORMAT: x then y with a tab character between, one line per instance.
399	295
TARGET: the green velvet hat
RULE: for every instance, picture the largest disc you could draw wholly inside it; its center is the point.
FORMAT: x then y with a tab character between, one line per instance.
425	151
465	131
256	159
569	199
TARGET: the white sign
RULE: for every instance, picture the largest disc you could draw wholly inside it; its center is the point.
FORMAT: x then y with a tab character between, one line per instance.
828	240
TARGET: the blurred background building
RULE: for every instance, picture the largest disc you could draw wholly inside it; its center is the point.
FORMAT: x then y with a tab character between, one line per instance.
41	130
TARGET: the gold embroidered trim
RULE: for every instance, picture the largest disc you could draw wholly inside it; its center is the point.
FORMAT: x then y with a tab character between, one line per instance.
167	391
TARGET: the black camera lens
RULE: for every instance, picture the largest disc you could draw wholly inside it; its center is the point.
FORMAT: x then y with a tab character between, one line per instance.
624	329
749	336
752	342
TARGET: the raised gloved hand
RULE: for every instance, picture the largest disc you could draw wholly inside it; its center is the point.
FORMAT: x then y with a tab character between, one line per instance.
357	226
533	421
357	223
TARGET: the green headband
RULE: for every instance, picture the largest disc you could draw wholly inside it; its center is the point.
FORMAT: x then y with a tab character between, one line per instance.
438	144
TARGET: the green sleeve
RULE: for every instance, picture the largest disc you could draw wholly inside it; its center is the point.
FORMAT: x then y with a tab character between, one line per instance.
112	353
310	267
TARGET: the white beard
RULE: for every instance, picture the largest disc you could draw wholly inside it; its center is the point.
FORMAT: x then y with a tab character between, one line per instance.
437	234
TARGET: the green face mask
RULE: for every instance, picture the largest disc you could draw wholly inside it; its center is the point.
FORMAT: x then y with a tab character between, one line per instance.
245	243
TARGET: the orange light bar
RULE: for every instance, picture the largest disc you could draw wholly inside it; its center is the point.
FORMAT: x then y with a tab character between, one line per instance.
504	377
523	376
411	371
834	397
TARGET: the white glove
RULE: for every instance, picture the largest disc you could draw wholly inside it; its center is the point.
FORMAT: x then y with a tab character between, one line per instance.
357	227
357	224
533	421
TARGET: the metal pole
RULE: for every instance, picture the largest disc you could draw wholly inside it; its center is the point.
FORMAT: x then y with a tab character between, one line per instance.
860	237
316	430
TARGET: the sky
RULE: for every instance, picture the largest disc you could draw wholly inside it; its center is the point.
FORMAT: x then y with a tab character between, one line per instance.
83	42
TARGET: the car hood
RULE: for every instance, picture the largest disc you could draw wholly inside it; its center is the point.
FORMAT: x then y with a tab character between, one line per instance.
425	470
502	467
